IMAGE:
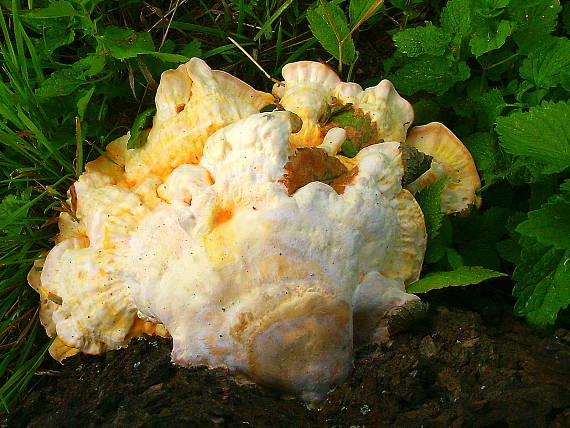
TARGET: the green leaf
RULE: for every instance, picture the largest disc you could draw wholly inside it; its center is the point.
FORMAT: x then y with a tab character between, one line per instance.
435	75
485	153
534	20
550	224
544	67
509	250
348	149
328	24
167	57
56	9
124	44
490	8
415	163
456	19
361	131
358	8
91	65
193	49
565	187
60	83
11	204
542	134
428	40
84	101
429	200
465	275
542	282
138	137
489	36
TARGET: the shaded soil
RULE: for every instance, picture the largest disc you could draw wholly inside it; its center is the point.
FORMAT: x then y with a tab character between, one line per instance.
454	370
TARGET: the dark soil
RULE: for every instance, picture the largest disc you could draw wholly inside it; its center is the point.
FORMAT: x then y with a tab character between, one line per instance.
454	370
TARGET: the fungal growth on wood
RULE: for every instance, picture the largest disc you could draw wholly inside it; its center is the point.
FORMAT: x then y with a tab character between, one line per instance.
260	242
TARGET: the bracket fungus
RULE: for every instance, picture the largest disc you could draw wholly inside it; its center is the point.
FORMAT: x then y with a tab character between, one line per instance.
258	241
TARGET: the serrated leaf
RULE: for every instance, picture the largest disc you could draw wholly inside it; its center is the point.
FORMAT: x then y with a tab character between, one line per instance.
137	138
56	9
542	282
193	49
544	67
329	26
9	205
487	36
541	134
550	224
534	20
435	75
124	44
428	40
465	275
456	19
565	187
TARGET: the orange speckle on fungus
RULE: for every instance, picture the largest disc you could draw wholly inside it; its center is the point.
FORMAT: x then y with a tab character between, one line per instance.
222	216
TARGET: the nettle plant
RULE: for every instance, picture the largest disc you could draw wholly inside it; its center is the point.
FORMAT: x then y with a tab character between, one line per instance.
499	70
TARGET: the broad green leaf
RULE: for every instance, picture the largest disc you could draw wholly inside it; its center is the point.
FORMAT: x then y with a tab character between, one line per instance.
435	75
509	250
84	101
124	44
550	224
56	9
430	203
544	67
534	20
542	282
415	163
454	258
488	36
358	9
428	40
541	134
456	19
490	8
53	38
91	65
361	131
193	49
485	153
328	24
60	83
465	275
167	57
429	200
138	137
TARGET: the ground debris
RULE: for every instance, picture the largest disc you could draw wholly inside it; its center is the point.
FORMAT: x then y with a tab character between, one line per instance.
454	370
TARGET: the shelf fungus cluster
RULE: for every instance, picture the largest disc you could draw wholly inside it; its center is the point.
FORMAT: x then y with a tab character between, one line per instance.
263	242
